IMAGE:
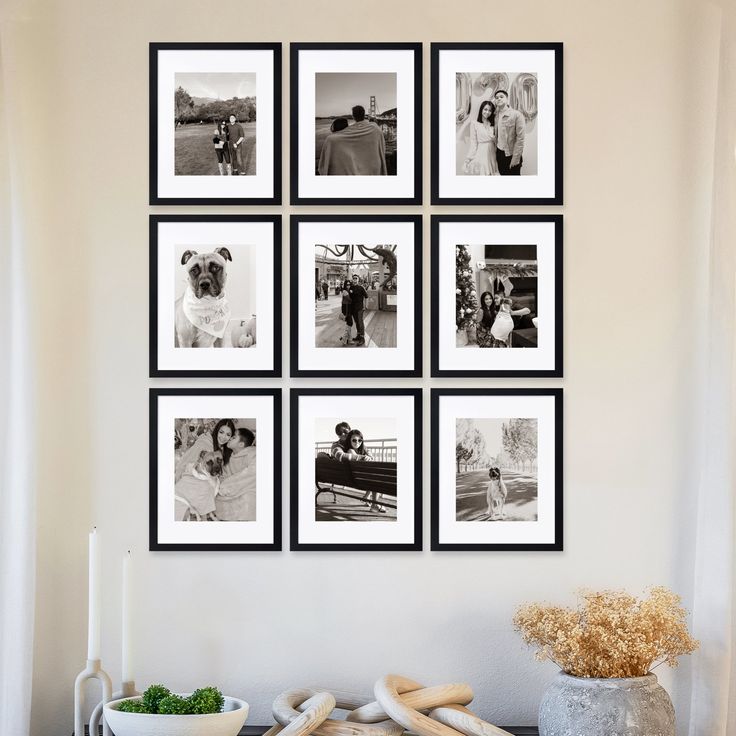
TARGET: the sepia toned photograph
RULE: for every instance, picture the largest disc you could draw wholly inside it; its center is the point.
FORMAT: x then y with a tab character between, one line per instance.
355	469
356	123
496	477
496	123
355	295
215	469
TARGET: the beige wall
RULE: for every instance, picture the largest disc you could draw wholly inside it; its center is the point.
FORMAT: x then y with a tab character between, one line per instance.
257	623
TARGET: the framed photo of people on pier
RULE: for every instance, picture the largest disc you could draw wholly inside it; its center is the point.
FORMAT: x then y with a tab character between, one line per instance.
497	469
356	123
356	295
496	123
497	296
356	474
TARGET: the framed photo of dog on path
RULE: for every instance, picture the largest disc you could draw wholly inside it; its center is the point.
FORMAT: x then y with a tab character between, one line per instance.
215	302
356	123
356	478
356	295
215	123
215	475
497	469
496	123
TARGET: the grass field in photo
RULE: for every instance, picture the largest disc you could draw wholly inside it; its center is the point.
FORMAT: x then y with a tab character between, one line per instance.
194	152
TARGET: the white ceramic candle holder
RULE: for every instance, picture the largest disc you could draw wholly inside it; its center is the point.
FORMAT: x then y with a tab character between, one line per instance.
127	691
93	671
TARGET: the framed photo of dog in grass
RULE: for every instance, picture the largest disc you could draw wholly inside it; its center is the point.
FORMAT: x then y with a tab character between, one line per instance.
215	123
215	302
356	123
496	123
356	478
497	469
356	295
215	477
497	296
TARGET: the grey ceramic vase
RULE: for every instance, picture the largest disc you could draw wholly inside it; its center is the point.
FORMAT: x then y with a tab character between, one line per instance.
628	706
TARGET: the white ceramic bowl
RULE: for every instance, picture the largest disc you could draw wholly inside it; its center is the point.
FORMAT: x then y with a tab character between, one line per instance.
227	723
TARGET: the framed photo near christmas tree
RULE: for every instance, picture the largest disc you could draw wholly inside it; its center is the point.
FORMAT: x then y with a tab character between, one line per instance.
497	296
496	123
497	469
356	295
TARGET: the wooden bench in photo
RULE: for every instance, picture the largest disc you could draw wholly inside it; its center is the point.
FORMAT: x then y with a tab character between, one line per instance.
360	476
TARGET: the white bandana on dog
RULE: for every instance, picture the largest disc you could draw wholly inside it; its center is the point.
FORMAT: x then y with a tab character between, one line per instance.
210	313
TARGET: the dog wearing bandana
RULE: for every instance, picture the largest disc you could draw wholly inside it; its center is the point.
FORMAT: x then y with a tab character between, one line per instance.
202	314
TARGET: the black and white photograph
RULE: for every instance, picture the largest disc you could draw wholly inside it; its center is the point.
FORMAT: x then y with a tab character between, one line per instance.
356	479
497	123
497	469
215	123
215	306
356	295
356	123
501	314
356	469
215	479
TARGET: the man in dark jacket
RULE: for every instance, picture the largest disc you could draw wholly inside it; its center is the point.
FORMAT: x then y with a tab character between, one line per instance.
358	295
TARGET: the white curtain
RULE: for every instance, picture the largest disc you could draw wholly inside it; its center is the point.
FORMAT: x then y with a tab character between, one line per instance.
713	699
17	504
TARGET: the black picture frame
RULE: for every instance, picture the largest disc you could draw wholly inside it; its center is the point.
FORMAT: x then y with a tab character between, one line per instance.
154	370
297	372
435	50
153	50
153	544
558	370
295	198
295	544
557	544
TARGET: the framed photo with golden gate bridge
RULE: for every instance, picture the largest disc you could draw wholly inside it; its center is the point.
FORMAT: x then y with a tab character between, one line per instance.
356	123
496	123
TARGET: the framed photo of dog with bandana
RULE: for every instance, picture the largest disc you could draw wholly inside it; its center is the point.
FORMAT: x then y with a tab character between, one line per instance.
356	473
497	306
215	302
496	123
356	295
497	469
215	476
215	123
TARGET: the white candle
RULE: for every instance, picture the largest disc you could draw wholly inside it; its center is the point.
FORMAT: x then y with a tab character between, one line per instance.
93	631
126	618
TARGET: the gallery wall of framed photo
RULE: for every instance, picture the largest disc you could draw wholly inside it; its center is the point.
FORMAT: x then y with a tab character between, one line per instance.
396	322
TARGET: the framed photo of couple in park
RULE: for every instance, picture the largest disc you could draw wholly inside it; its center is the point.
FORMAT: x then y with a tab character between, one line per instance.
356	295
215	475
497	296
356	477
356	123
497	469
215	123
215	302
496	123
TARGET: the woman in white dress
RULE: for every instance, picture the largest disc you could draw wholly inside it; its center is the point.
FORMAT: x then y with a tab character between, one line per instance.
481	157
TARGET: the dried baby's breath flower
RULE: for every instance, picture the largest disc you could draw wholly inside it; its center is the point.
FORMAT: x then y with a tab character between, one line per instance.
609	634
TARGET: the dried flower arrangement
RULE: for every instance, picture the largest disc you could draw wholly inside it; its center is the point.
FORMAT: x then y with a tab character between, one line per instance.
610	634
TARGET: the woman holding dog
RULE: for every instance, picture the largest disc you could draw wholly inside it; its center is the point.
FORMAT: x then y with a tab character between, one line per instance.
485	317
218	440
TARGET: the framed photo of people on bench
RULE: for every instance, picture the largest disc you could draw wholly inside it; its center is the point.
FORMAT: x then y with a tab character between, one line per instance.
496	123
497	296
356	295
215	474
497	469
215	301
356	123
356	480
215	123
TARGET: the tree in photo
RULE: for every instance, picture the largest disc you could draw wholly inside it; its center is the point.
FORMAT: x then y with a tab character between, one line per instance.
466	297
470	444
519	438
183	104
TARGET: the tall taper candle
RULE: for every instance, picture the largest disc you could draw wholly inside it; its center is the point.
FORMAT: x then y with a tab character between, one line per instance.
126	639
93	635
